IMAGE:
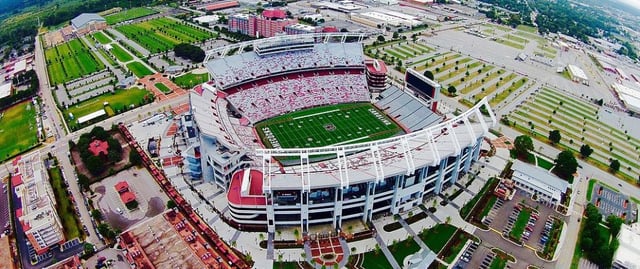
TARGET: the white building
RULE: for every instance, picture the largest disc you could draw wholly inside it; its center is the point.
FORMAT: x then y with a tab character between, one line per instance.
629	96
207	19
38	216
577	74
535	180
5	90
626	257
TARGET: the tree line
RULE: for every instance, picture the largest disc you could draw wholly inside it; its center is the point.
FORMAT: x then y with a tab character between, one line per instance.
188	51
29	78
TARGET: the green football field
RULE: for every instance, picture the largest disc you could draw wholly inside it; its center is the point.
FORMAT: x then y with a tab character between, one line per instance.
328	125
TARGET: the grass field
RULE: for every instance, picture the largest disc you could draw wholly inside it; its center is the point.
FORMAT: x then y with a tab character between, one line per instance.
527	28
117	101
18	131
163	88
64	206
520	224
102	38
129	14
163	34
328	125
190	80
139	69
121	54
71	60
436	238
403	249
373	261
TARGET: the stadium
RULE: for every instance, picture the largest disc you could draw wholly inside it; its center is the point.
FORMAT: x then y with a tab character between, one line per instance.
287	126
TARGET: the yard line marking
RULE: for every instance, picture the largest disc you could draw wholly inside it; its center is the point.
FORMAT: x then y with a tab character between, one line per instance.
320	113
348	141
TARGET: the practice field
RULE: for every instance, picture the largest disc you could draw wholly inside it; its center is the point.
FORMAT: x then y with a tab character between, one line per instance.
117	103
139	69
18	130
71	60
129	14
190	80
120	53
163	34
329	125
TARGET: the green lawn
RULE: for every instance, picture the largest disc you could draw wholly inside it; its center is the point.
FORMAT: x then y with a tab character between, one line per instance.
190	80
163	88
486	209
592	182
129	14
117	102
18	131
71	60
520	224
373	261
121	54
544	163
403	249
102	38
436	238
527	28
139	69
64	206
162	34
327	125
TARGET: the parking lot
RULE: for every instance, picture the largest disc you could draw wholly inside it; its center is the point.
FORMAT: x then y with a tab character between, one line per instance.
610	202
151	200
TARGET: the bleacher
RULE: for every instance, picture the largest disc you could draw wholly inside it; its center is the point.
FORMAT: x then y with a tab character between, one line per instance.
232	70
283	95
406	109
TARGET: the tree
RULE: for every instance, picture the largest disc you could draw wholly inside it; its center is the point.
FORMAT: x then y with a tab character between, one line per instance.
522	145
554	136
171	204
585	151
134	157
428	74
614	222
614	166
188	51
96	214
565	164
380	38
452	90
395	35
88	249
95	165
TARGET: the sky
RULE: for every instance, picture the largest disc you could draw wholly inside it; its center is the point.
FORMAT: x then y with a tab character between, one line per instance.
634	3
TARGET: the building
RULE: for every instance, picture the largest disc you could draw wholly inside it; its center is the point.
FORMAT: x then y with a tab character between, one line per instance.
376	75
6	89
296	29
72	262
626	256
36	206
540	182
577	74
268	24
385	17
630	97
364	179
208	19
221	5
88	22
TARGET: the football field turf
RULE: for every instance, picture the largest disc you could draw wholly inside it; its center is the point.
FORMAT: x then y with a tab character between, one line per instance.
328	125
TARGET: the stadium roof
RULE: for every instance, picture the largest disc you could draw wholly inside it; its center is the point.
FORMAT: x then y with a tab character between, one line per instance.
83	19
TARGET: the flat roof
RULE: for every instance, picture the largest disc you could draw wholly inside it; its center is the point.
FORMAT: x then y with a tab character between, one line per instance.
5	90
255	196
540	175
91	116
627	253
577	72
630	96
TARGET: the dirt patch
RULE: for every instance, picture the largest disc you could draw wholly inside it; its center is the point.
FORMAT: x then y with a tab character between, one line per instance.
156	206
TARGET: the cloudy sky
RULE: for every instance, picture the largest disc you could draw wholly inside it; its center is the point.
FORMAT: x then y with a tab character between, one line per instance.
634	3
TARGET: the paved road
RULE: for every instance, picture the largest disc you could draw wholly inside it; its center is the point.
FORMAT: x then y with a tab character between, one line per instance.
116	71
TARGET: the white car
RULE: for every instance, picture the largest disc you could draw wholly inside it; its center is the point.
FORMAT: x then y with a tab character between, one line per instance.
119	210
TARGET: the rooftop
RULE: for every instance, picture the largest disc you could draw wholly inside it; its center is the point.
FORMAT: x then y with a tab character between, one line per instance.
246	180
539	174
96	147
627	253
5	90
83	19
577	72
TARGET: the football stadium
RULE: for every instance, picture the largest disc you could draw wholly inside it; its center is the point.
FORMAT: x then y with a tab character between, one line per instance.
287	126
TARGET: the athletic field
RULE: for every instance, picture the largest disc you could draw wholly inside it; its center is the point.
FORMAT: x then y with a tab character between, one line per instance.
327	126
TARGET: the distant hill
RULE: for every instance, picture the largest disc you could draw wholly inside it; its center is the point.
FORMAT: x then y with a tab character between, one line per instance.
15	6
